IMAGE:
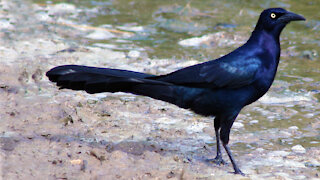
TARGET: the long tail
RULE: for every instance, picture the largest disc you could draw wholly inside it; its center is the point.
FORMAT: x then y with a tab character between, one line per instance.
96	80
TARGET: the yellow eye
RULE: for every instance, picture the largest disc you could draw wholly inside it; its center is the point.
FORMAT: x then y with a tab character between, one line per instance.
273	15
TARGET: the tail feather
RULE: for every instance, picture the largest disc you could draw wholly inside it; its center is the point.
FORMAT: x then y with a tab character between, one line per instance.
77	80
165	93
110	84
96	80
56	72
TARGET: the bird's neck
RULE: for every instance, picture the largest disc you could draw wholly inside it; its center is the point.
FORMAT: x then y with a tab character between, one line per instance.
265	40
268	43
262	37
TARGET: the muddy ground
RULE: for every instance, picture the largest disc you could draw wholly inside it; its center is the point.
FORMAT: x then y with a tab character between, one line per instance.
47	133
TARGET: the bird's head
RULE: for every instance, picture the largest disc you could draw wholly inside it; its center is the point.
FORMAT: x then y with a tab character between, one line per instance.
273	20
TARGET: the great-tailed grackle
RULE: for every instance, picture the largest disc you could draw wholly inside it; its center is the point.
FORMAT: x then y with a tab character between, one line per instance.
219	88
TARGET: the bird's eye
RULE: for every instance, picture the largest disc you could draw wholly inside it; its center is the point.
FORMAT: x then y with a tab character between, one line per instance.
273	15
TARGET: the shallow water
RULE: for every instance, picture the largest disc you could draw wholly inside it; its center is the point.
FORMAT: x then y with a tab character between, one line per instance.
165	23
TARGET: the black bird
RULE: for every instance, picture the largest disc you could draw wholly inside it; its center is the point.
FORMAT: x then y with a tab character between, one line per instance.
219	88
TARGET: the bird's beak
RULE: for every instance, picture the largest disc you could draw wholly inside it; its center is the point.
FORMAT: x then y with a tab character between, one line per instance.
290	16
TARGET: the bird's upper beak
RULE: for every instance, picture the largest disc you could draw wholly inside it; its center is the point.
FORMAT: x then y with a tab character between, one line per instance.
290	16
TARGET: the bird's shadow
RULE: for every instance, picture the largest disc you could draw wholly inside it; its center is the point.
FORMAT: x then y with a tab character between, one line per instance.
136	148
133	147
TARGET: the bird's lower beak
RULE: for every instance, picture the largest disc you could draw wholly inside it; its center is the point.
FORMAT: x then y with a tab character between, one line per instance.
290	16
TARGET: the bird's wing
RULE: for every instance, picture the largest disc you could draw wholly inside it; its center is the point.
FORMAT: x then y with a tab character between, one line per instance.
232	74
226	72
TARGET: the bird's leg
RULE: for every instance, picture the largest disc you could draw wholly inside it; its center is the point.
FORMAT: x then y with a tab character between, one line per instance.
218	159
226	125
234	164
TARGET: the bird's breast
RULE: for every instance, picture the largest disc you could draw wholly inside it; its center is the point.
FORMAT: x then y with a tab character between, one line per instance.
263	82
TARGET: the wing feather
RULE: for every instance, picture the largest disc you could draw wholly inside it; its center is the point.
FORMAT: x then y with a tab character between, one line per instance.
228	73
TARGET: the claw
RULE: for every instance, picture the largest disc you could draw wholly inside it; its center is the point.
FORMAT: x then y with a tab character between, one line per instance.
239	172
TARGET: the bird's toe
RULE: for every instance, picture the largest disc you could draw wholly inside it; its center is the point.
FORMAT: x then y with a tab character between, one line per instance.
239	172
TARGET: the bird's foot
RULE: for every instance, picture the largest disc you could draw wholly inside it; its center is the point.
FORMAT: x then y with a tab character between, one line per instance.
217	160
238	171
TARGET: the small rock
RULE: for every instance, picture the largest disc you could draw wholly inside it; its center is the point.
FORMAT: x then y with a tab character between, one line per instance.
278	153
209	40
170	175
281	174
293	164
271	117
186	160
298	149
312	164
132	28
259	149
100	35
108	46
134	54
314	142
43	16
310	54
176	158
76	161
8	144
5	24
196	41
237	125
62	8
309	115
293	128
300	177
254	122
285	134
307	79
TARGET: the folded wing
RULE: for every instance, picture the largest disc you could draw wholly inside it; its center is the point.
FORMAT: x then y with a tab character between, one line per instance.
233	73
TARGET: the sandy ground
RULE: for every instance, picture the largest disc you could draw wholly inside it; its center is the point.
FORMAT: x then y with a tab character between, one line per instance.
47	133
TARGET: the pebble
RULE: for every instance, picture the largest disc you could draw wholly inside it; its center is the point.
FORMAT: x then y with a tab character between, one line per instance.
285	134
134	54
103	45
314	142
278	153
259	149
62	8
196	41
293	128
298	149
284	175
300	177
100	35
254	122
271	117
293	164
5	24
132	28
307	79
312	163
237	125
310	54
309	115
